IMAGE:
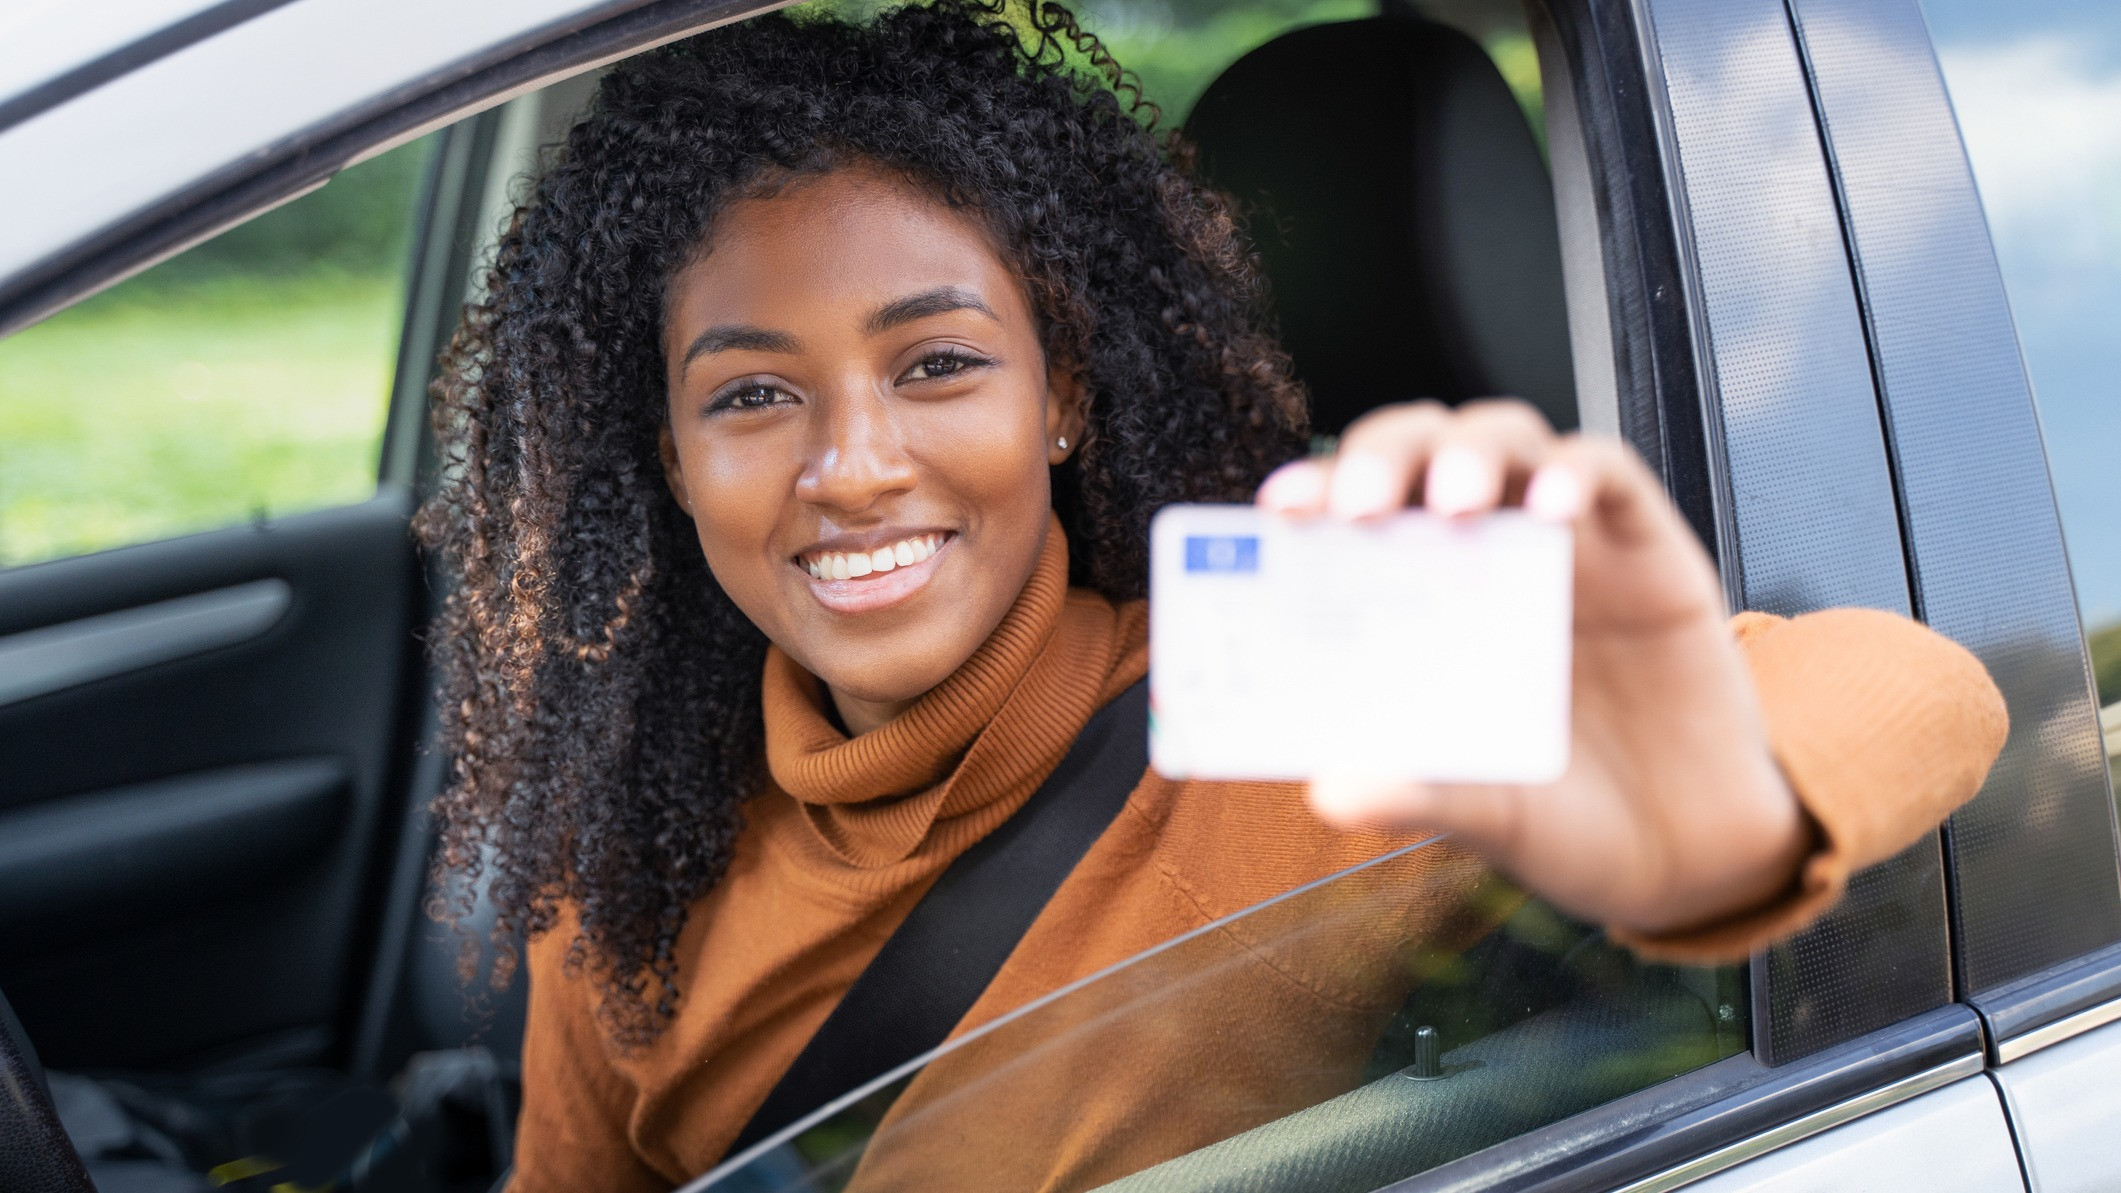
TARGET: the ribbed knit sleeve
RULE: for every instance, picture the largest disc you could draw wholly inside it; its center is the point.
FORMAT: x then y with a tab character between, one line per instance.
1882	727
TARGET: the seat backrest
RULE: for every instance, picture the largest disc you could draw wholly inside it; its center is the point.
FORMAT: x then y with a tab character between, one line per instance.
1403	212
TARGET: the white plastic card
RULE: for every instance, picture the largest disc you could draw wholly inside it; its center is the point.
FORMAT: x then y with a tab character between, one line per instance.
1413	647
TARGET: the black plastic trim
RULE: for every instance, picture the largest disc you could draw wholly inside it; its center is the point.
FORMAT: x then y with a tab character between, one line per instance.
2053	994
98	861
445	239
128	58
1653	337
300	163
1724	1103
39	662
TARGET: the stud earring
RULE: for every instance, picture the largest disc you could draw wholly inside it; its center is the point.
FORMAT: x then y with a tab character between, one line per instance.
1061	443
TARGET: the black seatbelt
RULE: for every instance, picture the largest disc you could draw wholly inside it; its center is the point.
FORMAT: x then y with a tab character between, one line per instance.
943	956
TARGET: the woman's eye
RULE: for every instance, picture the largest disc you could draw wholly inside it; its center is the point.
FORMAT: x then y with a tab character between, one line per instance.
748	395
937	365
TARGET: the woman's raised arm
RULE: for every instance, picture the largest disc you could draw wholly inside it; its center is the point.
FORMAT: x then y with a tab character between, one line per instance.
1725	775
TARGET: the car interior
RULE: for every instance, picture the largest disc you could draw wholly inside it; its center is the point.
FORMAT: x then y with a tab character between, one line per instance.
213	845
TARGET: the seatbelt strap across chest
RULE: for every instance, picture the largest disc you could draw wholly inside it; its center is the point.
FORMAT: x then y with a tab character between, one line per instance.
936	965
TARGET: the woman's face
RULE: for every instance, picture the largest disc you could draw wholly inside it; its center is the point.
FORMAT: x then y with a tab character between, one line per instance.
861	423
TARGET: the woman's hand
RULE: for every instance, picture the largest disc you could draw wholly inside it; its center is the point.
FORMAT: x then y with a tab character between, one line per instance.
1672	813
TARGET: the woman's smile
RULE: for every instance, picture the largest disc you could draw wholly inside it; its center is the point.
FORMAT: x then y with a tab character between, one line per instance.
868	572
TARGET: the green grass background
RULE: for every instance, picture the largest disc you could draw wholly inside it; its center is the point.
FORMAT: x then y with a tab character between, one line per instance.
137	416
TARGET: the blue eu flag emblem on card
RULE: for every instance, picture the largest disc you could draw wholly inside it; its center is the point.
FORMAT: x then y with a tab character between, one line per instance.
1222	553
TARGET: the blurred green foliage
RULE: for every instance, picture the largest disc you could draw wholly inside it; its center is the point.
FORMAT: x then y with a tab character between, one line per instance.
2105	645
246	377
358	224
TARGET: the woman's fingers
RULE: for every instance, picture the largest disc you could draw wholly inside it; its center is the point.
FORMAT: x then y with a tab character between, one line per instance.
1461	461
1606	482
1489	817
1297	488
1382	455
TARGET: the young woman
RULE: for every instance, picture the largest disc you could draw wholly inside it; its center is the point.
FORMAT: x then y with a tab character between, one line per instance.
800	460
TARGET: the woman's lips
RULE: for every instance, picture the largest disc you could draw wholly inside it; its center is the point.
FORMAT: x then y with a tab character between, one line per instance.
877	588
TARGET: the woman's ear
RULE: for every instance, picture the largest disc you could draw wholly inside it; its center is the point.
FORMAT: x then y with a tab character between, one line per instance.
673	469
1065	416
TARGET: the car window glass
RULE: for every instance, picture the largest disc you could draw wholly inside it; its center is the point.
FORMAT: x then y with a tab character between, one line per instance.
2036	86
246	378
1290	1043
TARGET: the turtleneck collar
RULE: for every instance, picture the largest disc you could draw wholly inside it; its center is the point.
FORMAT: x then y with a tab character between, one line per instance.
972	749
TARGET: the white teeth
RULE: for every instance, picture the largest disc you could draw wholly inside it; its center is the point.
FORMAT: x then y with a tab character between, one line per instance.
840	565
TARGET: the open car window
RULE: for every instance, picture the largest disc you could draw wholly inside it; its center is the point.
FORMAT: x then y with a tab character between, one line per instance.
243	380
1311	1041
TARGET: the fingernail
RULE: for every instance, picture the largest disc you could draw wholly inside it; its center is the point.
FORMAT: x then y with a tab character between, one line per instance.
1294	488
1556	494
1339	800
1364	485
1460	479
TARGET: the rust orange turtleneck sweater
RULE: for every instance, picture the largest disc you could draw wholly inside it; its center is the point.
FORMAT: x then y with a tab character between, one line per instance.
1881	725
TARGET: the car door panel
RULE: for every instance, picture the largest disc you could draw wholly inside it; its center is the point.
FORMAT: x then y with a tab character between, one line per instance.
1952	1140
2063	1103
188	826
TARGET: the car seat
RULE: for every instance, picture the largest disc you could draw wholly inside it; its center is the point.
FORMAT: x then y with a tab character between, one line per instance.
1403	212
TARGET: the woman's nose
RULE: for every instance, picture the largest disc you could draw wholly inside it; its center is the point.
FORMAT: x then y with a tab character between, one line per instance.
856	453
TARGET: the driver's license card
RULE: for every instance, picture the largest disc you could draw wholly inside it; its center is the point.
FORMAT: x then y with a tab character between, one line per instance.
1414	647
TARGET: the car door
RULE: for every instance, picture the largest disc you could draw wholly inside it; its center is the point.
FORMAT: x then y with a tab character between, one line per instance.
210	682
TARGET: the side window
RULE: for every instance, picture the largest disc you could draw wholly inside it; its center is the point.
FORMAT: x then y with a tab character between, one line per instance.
248	377
2037	89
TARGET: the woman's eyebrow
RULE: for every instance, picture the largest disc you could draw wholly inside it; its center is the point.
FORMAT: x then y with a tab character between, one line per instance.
725	336
924	304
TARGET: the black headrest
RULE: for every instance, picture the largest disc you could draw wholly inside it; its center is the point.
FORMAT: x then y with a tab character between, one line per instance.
1403	213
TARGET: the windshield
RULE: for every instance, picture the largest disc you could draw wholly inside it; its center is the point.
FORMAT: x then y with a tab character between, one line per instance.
1184	1067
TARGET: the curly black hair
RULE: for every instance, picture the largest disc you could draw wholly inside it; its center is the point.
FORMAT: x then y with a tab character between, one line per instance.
600	692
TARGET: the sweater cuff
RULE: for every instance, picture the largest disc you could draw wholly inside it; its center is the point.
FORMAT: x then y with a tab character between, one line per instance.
1882	727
